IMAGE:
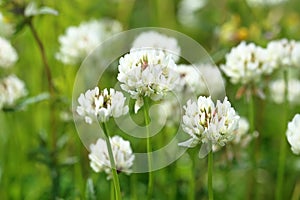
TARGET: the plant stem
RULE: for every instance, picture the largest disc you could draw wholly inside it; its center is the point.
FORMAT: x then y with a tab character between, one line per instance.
149	149
282	151
54	168
112	191
210	174
112	163
252	174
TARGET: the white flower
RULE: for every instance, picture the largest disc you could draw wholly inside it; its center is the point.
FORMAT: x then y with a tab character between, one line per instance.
187	11
8	55
6	29
282	52
158	41
277	90
296	54
122	154
191	80
265	2
11	89
293	134
247	63
194	80
147	73
206	122
78	41
101	105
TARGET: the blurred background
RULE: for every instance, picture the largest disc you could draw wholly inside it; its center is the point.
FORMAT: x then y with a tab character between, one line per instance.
35	164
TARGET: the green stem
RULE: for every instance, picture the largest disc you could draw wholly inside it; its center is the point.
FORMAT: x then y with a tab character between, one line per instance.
252	174
112	163
149	149
112	191
210	174
133	186
282	151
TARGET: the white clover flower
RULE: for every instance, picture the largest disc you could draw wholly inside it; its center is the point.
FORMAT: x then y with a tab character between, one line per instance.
101	105
6	29
122	153
187	11
78	41
8	55
282	53
147	73
293	134
265	2
191	80
206	122
11	89
158	41
247	63
296	54
277	90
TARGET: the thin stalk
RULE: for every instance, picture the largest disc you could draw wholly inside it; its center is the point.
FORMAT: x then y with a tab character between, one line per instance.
149	149
112	191
283	144
54	169
112	163
133	185
210	175
191	193
252	174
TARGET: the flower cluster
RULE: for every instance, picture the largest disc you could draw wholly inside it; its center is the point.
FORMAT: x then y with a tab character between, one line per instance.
284	53
8	55
101	105
11	89
277	90
191	80
147	73
158	41
246	63
79	41
293	134
206	122
122	153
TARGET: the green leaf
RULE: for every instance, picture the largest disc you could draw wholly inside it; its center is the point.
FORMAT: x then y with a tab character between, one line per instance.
27	101
90	190
33	10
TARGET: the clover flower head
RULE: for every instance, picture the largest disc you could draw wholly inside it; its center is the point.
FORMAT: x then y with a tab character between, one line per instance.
246	63
206	122
8	55
78	41
96	104
277	90
158	41
284	53
147	73
11	89
293	134
122	153
191	80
